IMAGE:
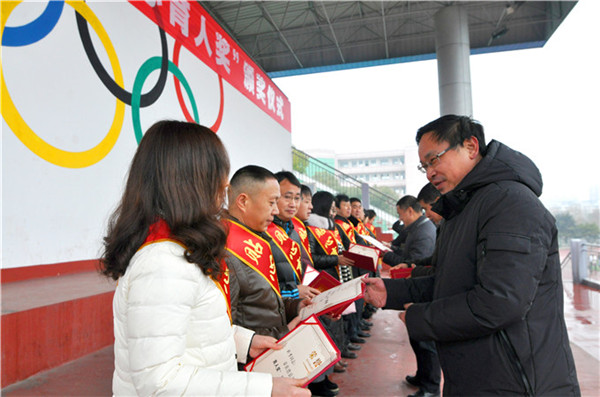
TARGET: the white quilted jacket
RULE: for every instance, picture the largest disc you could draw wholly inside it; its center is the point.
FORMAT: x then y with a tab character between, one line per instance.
172	331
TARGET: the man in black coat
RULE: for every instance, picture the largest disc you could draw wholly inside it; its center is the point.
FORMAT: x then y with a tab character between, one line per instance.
494	306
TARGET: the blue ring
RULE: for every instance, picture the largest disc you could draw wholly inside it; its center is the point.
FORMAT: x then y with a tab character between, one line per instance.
17	36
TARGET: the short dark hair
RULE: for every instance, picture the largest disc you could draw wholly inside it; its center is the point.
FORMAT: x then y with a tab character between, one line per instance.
283	175
321	202
247	175
341	198
354	200
428	194
409	201
305	191
370	214
454	129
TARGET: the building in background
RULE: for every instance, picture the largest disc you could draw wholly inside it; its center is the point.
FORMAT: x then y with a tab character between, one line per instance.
393	172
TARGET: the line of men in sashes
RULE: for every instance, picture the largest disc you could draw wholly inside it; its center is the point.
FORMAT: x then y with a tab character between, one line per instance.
273	240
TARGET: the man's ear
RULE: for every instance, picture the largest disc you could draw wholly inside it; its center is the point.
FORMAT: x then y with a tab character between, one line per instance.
471	144
241	202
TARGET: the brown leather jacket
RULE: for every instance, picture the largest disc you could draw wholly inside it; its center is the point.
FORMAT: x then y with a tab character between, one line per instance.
254	304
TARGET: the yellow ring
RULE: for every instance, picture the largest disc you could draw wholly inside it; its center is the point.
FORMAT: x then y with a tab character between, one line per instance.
36	144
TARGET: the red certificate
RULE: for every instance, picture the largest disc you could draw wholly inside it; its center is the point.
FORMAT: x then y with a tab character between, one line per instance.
335	300
363	256
308	351
324	281
400	273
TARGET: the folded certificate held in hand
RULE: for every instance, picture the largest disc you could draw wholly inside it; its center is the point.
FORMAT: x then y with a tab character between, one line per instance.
400	273
308	351
363	256
335	300
324	281
376	243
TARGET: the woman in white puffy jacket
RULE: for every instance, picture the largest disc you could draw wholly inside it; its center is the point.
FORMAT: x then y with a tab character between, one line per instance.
165	244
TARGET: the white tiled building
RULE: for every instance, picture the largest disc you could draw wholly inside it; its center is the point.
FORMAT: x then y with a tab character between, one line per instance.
396	169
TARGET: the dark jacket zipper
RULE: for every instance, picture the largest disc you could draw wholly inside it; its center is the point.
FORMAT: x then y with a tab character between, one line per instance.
512	354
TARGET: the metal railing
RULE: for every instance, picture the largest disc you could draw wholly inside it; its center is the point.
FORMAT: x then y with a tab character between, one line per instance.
321	176
585	258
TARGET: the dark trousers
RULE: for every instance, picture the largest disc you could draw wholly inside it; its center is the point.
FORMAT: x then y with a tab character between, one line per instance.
335	330
428	365
350	326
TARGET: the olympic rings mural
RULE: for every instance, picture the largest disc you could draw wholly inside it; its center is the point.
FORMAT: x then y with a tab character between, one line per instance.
39	28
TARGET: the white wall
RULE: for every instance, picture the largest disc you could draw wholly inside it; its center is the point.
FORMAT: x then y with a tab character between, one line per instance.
54	213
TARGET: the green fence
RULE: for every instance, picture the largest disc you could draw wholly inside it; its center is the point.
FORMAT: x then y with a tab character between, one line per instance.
321	176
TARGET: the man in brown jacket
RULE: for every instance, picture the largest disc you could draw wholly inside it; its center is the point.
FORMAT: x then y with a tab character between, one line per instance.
256	301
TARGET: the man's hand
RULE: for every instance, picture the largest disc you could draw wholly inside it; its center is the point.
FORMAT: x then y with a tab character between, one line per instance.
343	261
402	314
375	294
304	302
294	323
307	292
260	343
289	387
400	266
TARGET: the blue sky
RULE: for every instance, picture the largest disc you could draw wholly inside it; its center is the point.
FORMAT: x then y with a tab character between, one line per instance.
542	102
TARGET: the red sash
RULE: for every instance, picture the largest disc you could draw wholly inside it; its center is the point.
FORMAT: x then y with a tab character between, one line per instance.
326	239
348	229
254	251
361	229
301	229
372	229
289	247
159	232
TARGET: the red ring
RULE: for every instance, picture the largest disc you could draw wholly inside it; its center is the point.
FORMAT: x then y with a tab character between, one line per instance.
188	117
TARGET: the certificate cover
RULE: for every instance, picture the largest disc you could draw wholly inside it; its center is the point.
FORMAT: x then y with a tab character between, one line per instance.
376	243
324	281
363	256
335	300
308	351
309	275
400	273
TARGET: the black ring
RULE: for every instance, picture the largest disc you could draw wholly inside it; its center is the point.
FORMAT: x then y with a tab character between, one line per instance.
148	98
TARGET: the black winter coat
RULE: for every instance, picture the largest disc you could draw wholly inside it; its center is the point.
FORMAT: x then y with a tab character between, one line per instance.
495	303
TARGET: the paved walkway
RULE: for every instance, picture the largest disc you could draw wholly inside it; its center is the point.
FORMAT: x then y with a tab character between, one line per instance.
382	363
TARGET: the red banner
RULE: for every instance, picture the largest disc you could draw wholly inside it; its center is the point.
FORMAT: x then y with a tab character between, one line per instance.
190	24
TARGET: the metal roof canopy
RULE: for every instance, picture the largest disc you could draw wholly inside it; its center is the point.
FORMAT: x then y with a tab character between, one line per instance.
289	38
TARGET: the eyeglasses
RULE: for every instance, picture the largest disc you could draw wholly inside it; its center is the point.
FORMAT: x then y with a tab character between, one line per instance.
433	162
290	197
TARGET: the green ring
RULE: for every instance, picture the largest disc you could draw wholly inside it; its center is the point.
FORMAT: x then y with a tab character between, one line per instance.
148	67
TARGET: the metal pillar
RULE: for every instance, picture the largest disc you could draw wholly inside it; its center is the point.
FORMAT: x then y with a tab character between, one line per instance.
366	202
452	49
579	260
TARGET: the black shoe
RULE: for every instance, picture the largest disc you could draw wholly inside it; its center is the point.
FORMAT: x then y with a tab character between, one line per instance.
367	323
363	334
338	368
320	389
413	380
348	354
357	340
364	328
343	363
352	346
423	393
330	385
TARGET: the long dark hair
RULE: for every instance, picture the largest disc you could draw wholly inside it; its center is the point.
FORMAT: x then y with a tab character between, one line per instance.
178	174
321	202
